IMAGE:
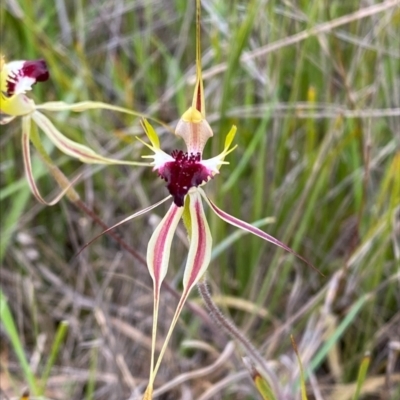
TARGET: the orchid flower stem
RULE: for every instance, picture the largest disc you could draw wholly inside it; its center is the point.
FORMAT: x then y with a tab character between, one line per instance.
230	328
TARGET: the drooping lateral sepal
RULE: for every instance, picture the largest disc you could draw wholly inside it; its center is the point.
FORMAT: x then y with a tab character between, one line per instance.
26	132
159	247
158	253
250	228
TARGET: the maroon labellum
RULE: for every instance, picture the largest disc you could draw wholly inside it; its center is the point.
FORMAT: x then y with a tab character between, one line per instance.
183	173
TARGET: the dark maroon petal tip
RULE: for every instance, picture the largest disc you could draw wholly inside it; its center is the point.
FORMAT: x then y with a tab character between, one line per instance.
36	69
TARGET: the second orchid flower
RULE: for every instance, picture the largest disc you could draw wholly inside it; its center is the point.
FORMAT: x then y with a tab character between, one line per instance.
16	79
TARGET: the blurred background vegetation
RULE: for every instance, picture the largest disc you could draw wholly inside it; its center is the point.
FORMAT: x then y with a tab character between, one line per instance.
318	120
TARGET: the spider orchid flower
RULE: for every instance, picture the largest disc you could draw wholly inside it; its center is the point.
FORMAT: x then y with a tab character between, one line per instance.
16	79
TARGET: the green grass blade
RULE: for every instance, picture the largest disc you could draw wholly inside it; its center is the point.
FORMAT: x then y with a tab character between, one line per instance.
362	373
302	377
11	218
9	326
322	353
55	349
